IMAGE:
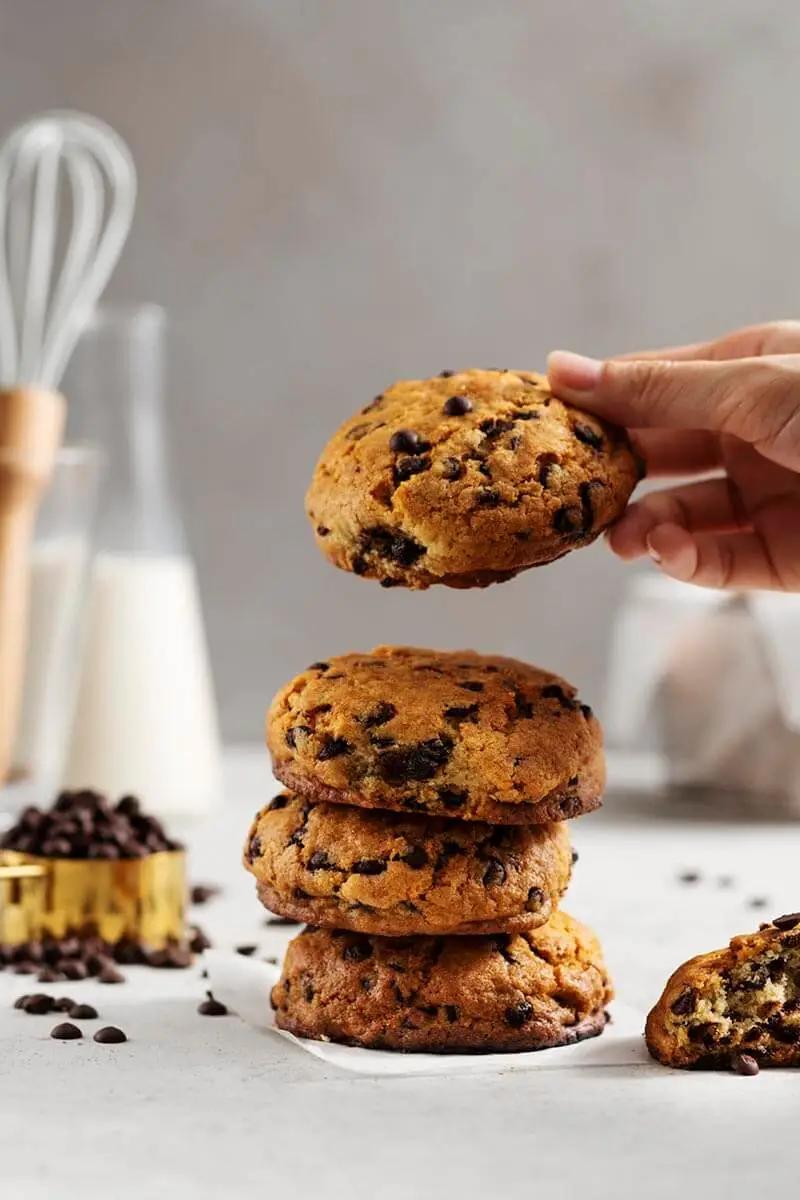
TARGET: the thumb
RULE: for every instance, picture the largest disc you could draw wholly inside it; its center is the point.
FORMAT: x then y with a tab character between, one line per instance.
755	399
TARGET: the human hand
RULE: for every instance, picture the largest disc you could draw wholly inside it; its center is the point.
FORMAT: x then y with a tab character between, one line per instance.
730	406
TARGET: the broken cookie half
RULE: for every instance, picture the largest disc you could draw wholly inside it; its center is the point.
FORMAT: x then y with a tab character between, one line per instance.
741	1001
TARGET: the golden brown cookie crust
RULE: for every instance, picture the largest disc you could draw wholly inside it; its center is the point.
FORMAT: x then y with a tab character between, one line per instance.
741	1000
529	991
387	873
415	491
446	734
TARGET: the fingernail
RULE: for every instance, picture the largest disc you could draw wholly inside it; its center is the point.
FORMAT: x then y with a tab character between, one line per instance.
573	372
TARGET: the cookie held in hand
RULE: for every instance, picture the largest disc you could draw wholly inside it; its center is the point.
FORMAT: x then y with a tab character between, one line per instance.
450	734
443	995
741	1001
466	480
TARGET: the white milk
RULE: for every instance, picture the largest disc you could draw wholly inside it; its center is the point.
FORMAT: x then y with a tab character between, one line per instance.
145	719
57	568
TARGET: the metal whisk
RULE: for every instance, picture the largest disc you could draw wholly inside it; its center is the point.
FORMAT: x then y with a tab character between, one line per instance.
55	161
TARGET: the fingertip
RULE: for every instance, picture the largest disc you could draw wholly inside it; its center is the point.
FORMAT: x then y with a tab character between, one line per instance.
628	538
673	549
573	375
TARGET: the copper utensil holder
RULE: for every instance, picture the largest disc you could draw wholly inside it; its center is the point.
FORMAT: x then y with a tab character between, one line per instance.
143	899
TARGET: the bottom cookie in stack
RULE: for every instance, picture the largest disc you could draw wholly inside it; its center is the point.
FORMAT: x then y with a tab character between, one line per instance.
533	990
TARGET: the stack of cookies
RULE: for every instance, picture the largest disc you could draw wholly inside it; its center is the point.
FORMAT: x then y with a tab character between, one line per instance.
423	834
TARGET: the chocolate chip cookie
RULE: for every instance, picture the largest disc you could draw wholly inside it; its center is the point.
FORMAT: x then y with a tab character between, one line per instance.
392	874
448	734
527	991
466	480
744	1000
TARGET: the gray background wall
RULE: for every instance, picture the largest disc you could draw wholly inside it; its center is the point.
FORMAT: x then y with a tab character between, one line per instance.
334	195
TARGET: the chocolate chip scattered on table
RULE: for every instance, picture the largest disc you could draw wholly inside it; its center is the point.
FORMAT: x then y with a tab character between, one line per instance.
467	479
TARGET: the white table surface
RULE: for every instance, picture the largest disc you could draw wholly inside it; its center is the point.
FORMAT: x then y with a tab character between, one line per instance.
200	1107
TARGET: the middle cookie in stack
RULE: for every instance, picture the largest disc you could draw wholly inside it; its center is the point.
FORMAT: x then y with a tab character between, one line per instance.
470	766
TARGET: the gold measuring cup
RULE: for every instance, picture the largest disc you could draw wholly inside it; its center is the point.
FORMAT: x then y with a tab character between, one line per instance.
143	899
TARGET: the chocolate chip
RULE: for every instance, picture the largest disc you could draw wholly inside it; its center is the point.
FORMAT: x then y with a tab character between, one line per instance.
319	861
254	848
368	866
757	902
493	427
334	747
416	858
685	1003
546	462
471	687
21	1001
452	469
110	974
379	716
404	441
452	798
519	1014
64	1004
211	1007
110	1035
489	498
585	493
248	950
501	944
322	531
446	374
587	435
744	1064
413	804
274	919
388	543
407	467
381	742
201	893
172	957
527	414
199	940
566	522
37	1005
535	899
25	968
83	1012
451	1012
66	1032
418	762
457	406
787	921
320	666
587	712
301	731
575	857
494	873
358	950
523	708
554	692
49	975
462	713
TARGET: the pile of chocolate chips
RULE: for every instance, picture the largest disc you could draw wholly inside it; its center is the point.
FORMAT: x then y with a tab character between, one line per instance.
55	959
86	825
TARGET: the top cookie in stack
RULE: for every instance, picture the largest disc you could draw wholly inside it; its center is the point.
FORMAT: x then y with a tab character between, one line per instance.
466	480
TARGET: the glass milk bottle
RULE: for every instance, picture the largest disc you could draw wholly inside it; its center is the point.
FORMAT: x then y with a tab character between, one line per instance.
145	720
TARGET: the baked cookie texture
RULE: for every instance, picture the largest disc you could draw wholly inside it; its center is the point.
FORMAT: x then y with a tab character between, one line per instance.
466	480
387	873
741	1000
447	734
528	991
